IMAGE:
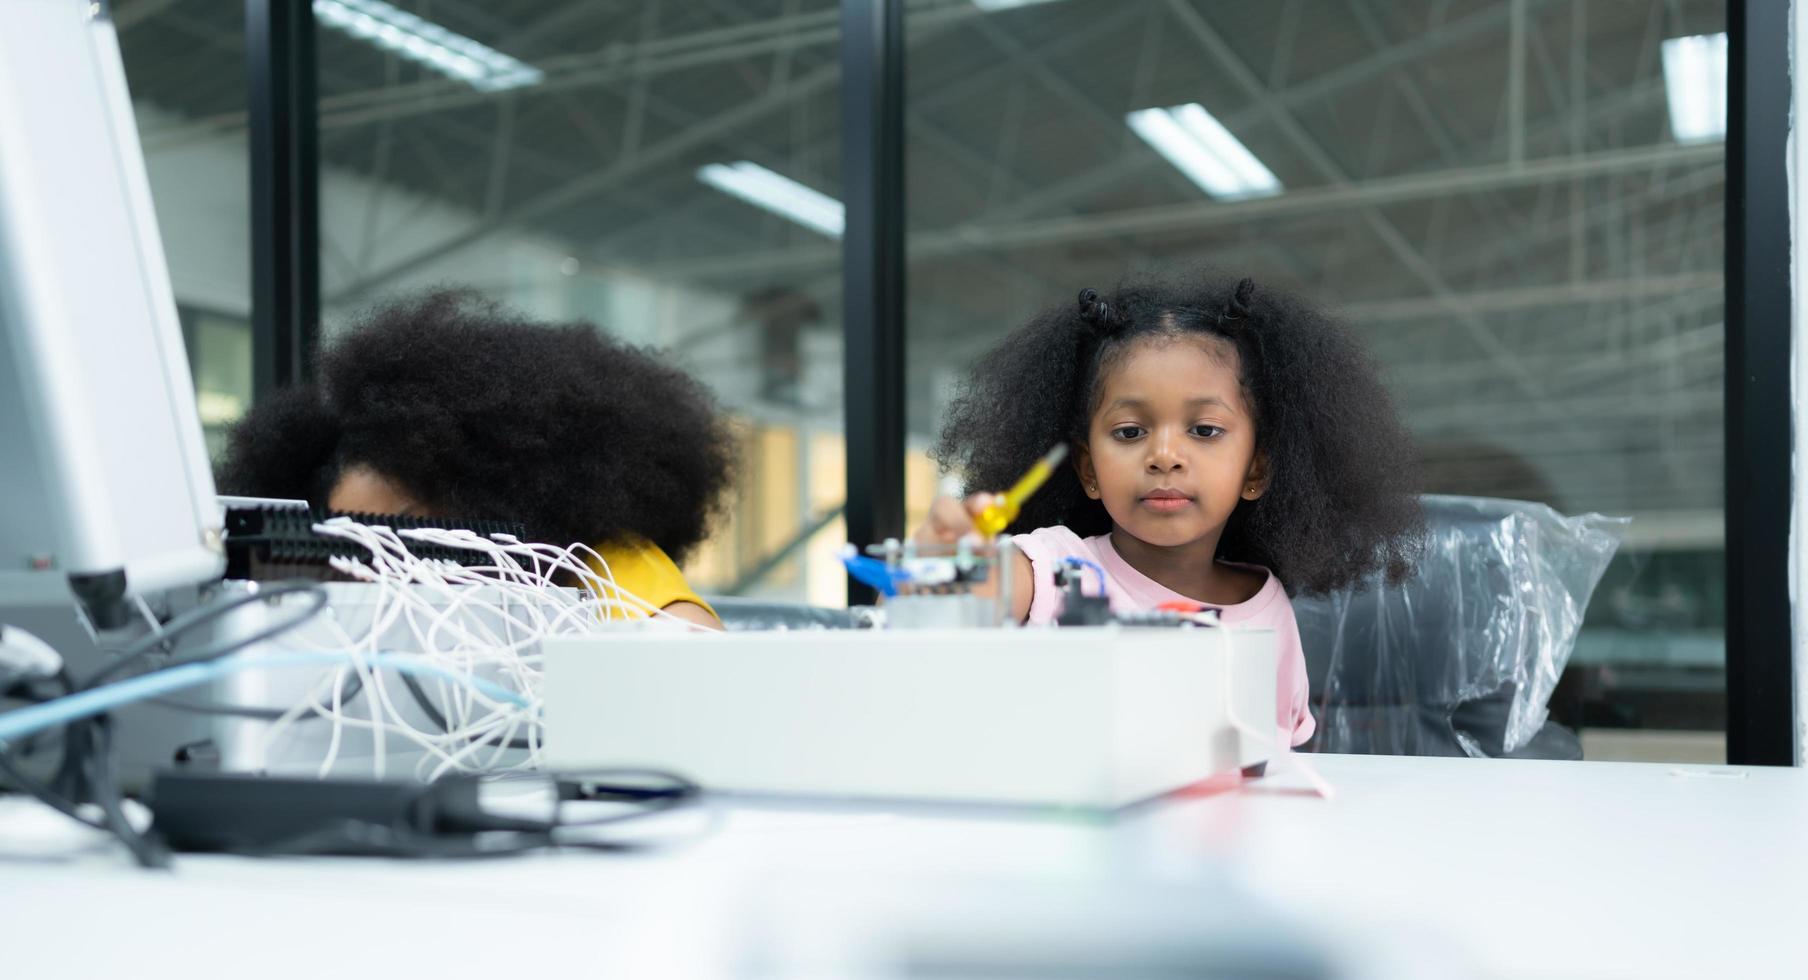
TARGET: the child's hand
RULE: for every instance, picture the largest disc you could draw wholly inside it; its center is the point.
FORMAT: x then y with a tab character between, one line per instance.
951	519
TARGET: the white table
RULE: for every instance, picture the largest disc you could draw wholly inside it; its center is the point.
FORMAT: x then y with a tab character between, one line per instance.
1430	867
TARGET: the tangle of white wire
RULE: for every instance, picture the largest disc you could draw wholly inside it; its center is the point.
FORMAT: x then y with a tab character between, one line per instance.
483	621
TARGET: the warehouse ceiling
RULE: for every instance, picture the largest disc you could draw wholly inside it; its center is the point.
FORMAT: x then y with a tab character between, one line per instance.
1490	191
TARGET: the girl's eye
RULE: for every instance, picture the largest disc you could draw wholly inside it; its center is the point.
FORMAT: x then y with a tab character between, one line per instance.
1207	431
1125	433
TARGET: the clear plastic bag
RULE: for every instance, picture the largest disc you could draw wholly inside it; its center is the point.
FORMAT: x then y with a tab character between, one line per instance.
1462	658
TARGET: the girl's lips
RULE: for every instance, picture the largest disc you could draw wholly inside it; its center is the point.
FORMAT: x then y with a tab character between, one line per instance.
1167	501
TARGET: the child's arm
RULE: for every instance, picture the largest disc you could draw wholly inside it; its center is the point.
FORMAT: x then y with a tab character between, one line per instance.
693	613
949	519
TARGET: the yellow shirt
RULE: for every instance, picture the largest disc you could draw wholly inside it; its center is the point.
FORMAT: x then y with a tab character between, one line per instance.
638	566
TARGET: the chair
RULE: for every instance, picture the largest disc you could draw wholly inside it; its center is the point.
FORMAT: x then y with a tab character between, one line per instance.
1461	659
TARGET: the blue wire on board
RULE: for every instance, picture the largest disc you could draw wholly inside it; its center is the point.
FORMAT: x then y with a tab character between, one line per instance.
1078	562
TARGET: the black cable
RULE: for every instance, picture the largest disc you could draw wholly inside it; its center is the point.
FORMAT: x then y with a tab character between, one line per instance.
649	800
89	767
89	749
438	717
103	776
28	784
352	689
575	787
367	838
13	755
678	791
222	710
68	779
25	749
496	835
132	655
87	771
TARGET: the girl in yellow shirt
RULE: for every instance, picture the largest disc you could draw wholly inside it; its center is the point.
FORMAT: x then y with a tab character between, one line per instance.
445	404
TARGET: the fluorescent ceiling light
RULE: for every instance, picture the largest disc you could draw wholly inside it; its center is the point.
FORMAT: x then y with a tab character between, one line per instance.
1695	81
1196	143
989	5
482	67
776	193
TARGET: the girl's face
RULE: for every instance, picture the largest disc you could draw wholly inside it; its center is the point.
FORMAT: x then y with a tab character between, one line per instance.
363	490
1171	449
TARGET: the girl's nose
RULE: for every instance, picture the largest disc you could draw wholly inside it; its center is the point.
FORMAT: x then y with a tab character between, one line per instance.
1163	455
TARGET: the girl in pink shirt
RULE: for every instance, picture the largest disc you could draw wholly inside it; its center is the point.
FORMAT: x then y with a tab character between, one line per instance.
1228	447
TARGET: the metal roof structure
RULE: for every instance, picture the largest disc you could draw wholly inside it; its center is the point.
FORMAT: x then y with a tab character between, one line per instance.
1490	191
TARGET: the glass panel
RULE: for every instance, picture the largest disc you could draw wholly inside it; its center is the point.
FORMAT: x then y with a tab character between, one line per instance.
219	354
1507	200
185	67
640	168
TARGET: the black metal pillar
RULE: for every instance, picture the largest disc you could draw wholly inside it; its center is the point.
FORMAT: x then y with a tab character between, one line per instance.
1759	434
872	249
285	200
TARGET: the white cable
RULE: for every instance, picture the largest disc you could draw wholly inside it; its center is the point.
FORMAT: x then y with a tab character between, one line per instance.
564	558
333	743
482	622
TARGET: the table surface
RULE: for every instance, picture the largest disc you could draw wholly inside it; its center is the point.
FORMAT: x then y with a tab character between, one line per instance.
1432	867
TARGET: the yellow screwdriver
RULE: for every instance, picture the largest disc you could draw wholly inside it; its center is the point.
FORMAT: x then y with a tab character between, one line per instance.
999	514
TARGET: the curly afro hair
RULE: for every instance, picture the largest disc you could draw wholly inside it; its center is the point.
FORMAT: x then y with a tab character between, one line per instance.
479	412
1341	502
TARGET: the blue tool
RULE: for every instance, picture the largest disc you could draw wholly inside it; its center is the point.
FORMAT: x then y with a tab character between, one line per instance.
873	572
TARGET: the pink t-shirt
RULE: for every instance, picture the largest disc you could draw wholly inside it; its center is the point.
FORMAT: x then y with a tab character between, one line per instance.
1129	590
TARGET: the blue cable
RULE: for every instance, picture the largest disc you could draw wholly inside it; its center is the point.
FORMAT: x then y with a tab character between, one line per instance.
1088	563
85	704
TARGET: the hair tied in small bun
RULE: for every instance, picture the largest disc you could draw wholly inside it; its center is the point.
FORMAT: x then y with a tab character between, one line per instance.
1097	312
1237	307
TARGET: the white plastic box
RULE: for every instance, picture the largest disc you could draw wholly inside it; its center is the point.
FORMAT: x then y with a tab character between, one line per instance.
1086	717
